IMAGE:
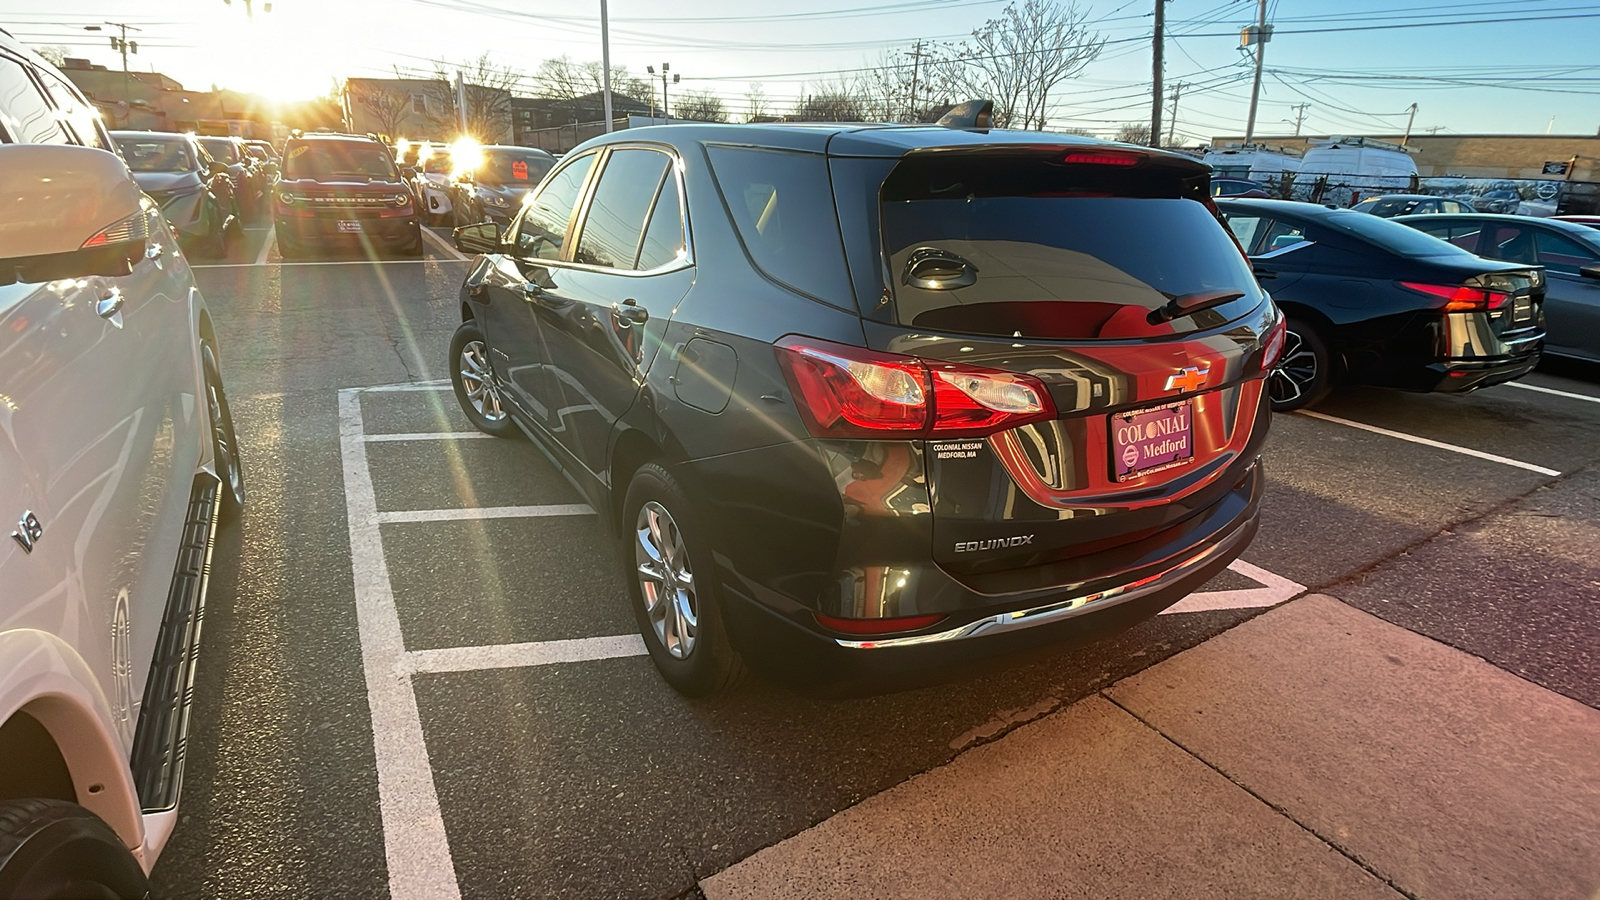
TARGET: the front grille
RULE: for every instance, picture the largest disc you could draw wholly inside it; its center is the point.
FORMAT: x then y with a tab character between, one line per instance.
365	201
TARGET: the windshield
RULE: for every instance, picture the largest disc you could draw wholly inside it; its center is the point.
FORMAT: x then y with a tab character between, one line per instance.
513	167
1397	238
221	148
339	161
157	154
437	164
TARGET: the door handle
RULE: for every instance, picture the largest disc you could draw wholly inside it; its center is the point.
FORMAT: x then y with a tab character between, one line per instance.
530	292
631	312
1264	273
109	306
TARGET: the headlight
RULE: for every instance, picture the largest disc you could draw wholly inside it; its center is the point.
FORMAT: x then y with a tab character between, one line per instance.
287	198
400	199
495	200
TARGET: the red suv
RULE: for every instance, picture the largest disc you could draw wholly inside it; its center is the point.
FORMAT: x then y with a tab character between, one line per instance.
344	191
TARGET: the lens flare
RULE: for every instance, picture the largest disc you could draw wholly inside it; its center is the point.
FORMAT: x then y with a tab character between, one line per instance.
466	154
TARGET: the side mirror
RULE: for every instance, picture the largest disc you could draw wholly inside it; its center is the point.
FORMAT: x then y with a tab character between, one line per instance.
1590	272
71	212
217	167
408	172
483	237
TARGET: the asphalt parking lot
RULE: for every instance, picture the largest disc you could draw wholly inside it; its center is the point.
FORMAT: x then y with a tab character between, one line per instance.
420	676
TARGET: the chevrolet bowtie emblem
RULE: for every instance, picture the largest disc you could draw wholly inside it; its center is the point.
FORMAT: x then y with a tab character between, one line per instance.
1188	378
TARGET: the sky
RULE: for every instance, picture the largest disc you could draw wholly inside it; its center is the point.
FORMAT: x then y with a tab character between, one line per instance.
1499	66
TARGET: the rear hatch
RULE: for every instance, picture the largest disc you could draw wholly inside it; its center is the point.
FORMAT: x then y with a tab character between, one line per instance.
1103	278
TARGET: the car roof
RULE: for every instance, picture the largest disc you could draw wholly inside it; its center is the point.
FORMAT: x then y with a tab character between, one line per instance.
1294	207
875	140
1403	197
1558	224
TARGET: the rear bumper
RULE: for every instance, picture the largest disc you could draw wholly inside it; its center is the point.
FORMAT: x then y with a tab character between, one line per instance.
1459	376
783	639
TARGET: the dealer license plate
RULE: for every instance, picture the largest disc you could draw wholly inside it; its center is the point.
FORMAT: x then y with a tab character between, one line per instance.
1150	440
349	226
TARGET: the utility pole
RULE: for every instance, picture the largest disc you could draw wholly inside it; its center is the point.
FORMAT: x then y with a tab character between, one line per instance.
1259	36
1409	119
126	46
1157	95
916	57
1172	124
665	68
1299	116
461	103
605	65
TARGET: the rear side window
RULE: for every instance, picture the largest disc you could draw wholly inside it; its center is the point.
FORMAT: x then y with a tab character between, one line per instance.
1037	248
544	223
663	238
1395	237
782	205
1561	252
79	115
616	218
24	114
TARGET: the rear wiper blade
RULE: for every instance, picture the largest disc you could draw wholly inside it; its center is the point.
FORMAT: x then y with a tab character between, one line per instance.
1189	304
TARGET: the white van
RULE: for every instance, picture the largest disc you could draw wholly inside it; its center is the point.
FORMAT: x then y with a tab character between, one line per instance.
1356	168
1252	162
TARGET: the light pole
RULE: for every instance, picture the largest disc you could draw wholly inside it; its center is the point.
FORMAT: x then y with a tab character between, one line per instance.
665	68
605	66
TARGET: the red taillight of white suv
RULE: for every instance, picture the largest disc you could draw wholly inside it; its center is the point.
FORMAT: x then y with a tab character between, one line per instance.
845	391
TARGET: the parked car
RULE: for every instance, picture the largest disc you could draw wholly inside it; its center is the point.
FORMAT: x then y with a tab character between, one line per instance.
193	190
432	186
1235	187
1498	201
117	463
266	157
343	191
250	181
1590	221
1371	301
493	189
1391	205
870	402
1570	254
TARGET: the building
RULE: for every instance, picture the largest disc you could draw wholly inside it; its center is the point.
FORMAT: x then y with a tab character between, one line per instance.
153	102
424	108
530	114
1479	155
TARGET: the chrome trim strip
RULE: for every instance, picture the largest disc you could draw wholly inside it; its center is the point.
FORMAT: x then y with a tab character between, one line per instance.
1061	609
1285	250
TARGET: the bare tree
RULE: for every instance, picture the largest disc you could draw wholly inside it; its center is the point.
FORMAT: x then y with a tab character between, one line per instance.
1134	133
842	100
1018	58
488	87
563	79
905	85
701	106
390	109
56	55
756	96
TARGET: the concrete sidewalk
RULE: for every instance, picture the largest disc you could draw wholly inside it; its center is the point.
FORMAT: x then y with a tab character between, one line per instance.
1315	751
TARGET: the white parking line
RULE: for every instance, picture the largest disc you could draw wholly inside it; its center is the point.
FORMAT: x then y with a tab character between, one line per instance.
415	844
266	247
1274	589
428	436
442	244
404	387
514	656
484	512
1552	391
1426	442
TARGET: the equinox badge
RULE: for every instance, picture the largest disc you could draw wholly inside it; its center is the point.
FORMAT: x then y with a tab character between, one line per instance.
993	543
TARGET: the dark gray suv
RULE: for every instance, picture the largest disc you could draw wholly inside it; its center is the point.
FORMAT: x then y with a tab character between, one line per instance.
864	402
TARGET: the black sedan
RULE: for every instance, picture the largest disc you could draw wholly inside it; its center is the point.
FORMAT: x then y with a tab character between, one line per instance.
1570	254
492	189
852	423
1372	301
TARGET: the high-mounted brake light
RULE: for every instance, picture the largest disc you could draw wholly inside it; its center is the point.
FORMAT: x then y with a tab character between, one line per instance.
844	391
1103	158
1460	298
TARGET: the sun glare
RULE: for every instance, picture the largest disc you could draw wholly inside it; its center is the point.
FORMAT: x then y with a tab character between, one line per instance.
466	154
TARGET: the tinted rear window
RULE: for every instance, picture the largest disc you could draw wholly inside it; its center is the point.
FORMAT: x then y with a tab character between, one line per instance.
1054	251
782	204
338	161
1399	239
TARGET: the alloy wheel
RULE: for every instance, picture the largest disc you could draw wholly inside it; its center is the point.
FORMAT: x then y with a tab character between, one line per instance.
477	380
666	580
1296	373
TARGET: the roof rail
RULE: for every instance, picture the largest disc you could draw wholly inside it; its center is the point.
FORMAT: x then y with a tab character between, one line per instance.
976	115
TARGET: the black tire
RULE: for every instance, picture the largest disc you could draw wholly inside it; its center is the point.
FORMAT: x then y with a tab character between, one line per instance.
52	849
470	371
224	442
413	249
288	249
1305	373
709	666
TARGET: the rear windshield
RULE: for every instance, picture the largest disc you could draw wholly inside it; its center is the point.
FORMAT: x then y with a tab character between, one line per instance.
339	161
157	154
1395	237
1039	249
221	148
512	167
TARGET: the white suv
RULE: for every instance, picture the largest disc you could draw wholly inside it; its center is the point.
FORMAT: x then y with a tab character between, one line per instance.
117	461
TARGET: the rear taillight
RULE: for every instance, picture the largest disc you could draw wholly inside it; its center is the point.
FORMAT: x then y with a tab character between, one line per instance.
1461	298
1272	346
844	391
